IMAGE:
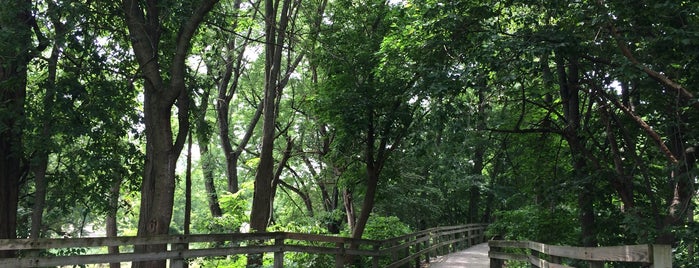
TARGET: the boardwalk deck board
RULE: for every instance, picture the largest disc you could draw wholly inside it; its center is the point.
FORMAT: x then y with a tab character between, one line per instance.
473	257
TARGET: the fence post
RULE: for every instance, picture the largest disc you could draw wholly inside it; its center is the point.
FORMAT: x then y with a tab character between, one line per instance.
279	253
375	259
179	262
428	244
662	256
470	239
340	256
596	264
417	249
407	252
495	263
454	245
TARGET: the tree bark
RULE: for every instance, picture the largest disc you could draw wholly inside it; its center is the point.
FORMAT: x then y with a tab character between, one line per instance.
368	202
111	220
569	91
162	147
15	54
188	187
275	34
682	183
348	201
203	139
260	214
478	159
40	160
226	89
208	174
278	172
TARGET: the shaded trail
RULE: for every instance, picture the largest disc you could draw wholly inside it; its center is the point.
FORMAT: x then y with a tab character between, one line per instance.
473	257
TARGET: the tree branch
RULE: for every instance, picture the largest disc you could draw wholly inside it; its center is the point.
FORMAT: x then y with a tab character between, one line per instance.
662	79
646	128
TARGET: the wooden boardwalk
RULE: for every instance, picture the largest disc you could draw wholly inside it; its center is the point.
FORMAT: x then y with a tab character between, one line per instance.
473	257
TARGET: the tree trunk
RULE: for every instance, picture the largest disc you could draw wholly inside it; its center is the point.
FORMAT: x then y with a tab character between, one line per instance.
188	187
570	100
13	91
260	214
231	76
162	149
367	206
262	196
682	182
278	171
40	161
348	201
111	220
207	171
158	187
39	170
478	159
222	108
368	203
15	54
203	139
490	199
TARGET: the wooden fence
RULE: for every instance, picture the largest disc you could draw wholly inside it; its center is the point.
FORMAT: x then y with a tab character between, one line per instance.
401	251
542	255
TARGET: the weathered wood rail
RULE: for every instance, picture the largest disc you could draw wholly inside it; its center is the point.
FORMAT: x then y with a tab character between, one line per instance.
397	252
542	255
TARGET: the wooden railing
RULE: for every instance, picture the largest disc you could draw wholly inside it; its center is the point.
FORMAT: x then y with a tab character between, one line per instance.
395	252
542	255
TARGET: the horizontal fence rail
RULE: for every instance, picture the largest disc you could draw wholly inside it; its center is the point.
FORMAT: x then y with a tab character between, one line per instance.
397	252
542	255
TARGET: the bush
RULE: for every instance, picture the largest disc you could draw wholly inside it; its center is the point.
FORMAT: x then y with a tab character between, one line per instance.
380	227
548	226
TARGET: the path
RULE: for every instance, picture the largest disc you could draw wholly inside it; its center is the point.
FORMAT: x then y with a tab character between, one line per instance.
473	257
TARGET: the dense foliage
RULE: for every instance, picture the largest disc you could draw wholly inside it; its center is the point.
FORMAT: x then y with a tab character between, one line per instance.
564	122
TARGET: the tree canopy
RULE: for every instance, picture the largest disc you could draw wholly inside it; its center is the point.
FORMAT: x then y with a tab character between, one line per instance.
554	121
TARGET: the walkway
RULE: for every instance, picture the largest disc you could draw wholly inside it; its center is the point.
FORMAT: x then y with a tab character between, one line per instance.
473	257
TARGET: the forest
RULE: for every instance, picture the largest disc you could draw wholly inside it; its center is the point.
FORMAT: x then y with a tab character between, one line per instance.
561	122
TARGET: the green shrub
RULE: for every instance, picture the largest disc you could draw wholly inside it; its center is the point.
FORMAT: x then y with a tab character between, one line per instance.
544	225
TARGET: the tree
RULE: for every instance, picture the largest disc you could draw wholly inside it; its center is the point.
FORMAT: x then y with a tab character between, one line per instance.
228	84
368	100
17	26
161	49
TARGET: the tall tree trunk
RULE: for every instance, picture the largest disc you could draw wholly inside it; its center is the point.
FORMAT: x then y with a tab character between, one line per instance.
162	148
569	92
260	213
203	140
15	54
13	86
188	187
227	88
278	172
490	199
208	174
478	158
158	187
348	201
682	183
368	203
111	220
41	156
